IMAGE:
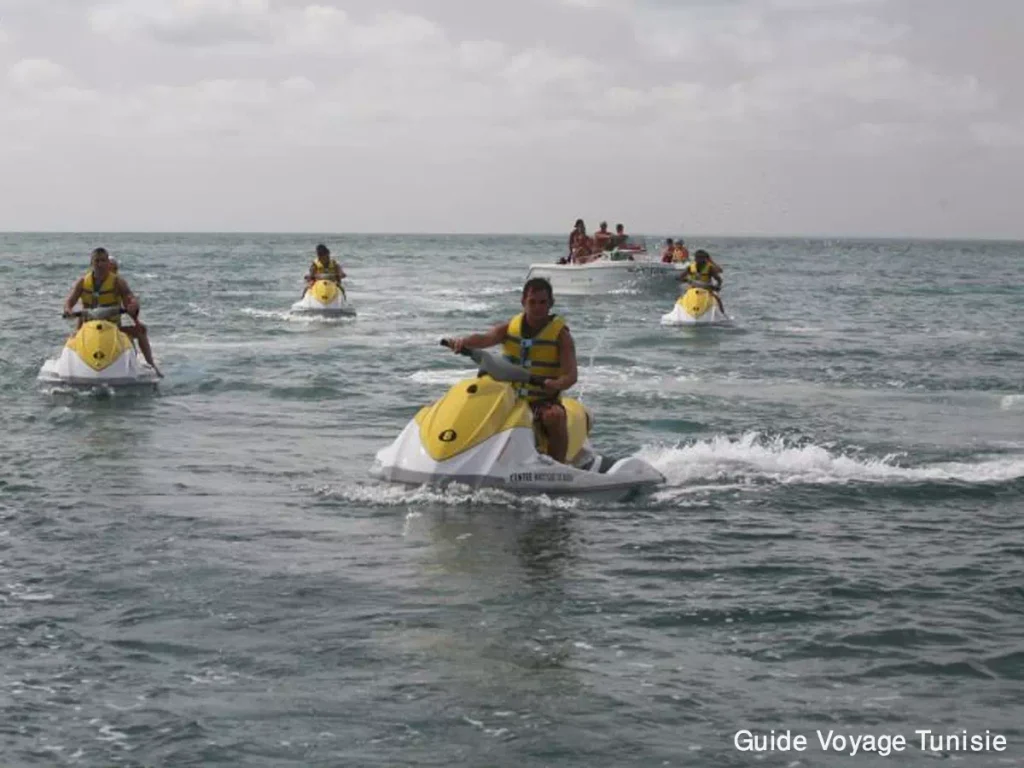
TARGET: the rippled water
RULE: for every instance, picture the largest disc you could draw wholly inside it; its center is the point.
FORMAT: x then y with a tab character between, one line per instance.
207	576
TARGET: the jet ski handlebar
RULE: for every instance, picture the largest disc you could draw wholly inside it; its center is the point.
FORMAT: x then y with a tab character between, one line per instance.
95	313
448	343
498	368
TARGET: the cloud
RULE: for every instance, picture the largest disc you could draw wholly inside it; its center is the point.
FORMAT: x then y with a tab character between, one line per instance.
1005	134
311	29
819	5
198	22
755	34
465	93
36	73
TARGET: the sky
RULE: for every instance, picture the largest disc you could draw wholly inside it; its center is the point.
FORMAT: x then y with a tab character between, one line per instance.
901	118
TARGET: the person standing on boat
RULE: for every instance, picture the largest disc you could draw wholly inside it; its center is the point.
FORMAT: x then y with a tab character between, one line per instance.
577	237
540	341
666	254
581	246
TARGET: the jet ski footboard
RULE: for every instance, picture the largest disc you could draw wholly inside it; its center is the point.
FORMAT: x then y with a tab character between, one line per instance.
599	464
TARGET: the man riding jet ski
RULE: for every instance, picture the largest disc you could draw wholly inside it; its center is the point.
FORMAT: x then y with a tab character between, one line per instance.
101	352
700	303
509	427
324	294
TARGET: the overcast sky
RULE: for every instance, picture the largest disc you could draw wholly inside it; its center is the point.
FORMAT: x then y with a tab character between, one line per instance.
842	117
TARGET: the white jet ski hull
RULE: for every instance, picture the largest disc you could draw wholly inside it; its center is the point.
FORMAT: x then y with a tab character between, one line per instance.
311	307
129	370
697	306
509	461
679	316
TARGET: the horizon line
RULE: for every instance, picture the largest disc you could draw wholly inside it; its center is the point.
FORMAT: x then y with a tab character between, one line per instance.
321	233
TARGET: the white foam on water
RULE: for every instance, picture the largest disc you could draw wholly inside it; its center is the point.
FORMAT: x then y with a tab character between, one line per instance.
443	376
634	379
390	495
266	313
754	457
492	291
467	306
288	317
1012	403
199	309
18	591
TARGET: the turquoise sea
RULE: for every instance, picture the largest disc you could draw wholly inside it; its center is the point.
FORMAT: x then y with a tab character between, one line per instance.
207	575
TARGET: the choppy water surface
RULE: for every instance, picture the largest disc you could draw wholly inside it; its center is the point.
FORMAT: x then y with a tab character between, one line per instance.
208	576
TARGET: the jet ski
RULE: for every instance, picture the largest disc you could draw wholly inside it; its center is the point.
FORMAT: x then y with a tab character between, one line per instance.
696	306
98	354
324	298
482	434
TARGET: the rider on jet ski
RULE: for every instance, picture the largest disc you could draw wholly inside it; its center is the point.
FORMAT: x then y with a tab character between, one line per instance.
102	287
540	341
324	267
702	272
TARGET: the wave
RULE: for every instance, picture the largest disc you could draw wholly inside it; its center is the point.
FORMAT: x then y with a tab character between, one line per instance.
605	378
1012	403
446	376
287	316
387	495
757	458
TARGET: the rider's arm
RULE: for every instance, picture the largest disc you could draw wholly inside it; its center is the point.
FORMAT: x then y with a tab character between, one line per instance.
716	275
567	355
76	292
127	297
488	339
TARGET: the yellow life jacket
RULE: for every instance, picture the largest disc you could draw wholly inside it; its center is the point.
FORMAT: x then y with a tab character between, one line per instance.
331	272
704	275
538	353
104	296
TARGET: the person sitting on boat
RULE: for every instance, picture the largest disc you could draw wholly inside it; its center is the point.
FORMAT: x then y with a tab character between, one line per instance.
540	341
618	245
680	253
100	287
702	273
603	238
576	238
323	268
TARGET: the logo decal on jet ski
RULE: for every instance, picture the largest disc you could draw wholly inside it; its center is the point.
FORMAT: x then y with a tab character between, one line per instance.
540	477
98	355
447	436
